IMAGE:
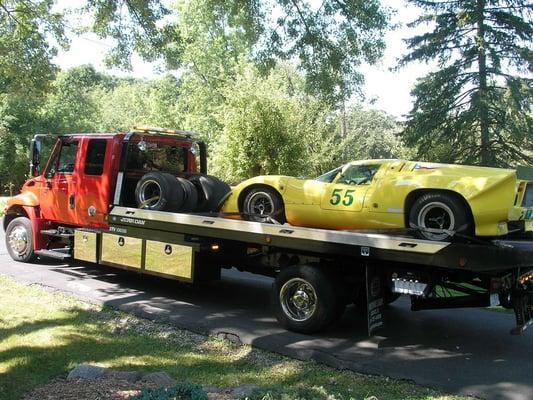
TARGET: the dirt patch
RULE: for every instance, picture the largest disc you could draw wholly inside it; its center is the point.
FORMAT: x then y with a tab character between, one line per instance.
94	389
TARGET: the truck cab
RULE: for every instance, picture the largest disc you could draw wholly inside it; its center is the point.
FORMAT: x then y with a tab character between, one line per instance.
84	175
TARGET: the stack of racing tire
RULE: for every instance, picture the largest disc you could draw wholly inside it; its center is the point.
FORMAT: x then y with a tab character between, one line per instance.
161	191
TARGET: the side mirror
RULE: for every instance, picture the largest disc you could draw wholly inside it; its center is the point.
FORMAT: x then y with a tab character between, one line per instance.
35	156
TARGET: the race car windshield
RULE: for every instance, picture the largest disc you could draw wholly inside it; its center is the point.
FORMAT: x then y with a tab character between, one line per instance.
329	176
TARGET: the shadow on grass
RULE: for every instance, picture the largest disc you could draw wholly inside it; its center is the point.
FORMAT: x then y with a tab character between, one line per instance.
48	348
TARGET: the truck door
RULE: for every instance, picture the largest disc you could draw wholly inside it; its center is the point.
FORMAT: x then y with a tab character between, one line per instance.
57	195
93	185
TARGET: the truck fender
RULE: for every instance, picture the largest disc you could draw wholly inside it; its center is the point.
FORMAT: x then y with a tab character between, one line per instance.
33	214
22	199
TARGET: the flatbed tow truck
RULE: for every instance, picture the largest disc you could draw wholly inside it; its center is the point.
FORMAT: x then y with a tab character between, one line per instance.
80	209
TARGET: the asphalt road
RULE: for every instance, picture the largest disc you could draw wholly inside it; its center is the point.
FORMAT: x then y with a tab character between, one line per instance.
464	351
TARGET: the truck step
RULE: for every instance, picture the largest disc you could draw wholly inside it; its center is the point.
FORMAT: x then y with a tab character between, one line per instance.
58	254
57	233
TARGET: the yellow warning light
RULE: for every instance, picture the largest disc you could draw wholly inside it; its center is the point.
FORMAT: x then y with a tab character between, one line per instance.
526	277
215	247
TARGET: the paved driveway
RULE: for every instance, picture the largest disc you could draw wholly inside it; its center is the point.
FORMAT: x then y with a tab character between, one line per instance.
465	351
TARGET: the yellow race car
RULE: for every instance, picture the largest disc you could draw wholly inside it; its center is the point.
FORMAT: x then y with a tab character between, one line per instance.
437	200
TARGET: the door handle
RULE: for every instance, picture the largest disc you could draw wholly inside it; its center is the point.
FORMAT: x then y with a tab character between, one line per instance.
71	201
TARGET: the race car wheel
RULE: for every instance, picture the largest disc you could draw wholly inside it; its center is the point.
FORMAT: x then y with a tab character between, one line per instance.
439	211
190	200
19	241
159	191
262	204
306	299
211	192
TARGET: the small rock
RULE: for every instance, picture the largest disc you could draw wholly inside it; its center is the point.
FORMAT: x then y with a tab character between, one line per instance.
87	371
243	391
230	337
159	379
210	388
130	376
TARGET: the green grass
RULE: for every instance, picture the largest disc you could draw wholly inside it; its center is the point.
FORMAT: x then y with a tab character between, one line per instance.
43	335
2	205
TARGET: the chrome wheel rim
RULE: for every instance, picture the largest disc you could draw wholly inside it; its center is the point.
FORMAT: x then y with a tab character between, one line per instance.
18	240
436	215
150	194
298	299
261	204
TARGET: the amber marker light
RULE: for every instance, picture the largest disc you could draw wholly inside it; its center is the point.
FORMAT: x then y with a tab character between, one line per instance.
215	247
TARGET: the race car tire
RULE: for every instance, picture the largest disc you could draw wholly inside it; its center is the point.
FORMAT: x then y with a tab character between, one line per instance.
211	192
191	195
262	204
19	240
163	188
439	211
306	298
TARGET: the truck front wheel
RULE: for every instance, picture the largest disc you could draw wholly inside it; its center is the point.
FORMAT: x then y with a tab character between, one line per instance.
306	299
19	240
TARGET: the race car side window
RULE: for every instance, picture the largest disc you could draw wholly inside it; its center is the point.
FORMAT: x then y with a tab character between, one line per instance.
358	174
329	176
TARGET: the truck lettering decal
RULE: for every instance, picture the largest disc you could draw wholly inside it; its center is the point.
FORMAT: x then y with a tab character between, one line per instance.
132	221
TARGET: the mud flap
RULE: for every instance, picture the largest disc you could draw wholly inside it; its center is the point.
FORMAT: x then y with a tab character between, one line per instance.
523	310
375	292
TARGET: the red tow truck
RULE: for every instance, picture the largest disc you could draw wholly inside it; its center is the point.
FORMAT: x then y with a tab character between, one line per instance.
94	201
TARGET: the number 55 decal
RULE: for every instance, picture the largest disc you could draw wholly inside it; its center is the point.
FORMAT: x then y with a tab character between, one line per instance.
336	197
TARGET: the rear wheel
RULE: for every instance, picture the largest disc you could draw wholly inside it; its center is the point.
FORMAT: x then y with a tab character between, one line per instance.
262	204
437	212
19	241
306	299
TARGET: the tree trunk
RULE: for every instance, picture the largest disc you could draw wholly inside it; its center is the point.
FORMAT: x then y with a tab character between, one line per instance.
486	153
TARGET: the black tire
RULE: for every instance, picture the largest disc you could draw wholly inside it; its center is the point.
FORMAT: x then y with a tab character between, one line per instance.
261	204
19	240
162	185
211	192
440	211
306	299
191	196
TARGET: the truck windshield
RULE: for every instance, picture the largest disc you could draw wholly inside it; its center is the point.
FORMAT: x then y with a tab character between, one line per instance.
329	176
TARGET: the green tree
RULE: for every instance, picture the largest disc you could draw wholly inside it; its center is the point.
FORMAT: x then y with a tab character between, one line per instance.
70	106
256	138
138	103
329	39
26	30
477	107
371	134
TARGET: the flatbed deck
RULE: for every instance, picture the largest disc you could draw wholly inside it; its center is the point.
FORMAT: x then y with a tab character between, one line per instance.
489	256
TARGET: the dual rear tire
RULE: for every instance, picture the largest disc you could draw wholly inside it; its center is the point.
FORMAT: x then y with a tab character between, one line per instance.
307	298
